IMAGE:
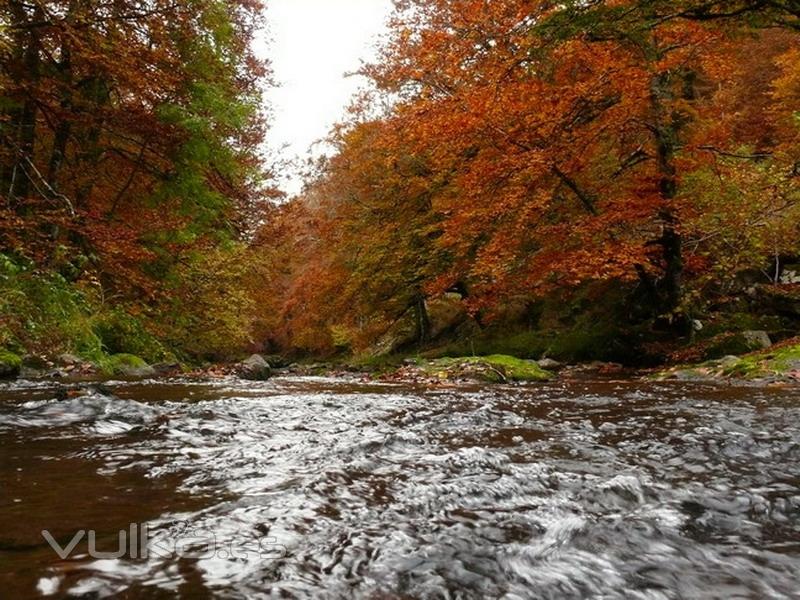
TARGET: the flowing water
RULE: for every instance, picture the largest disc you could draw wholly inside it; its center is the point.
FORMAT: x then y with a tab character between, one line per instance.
322	488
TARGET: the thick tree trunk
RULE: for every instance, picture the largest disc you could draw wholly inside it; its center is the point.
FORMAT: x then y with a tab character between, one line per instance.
64	127
96	93
666	128
423	322
24	141
672	249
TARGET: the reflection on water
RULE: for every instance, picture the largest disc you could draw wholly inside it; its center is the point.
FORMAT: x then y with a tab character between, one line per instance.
317	488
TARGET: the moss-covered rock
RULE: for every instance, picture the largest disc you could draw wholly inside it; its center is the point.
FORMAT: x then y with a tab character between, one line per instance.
722	323
10	364
523	344
126	365
782	362
497	368
122	333
742	342
777	363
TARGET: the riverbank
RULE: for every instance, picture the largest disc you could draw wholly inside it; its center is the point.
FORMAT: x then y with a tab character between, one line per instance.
777	364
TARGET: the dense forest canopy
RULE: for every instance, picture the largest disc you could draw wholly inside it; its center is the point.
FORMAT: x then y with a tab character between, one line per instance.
516	166
542	150
130	166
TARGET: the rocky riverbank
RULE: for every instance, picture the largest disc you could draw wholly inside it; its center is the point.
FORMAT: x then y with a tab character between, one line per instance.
777	364
70	366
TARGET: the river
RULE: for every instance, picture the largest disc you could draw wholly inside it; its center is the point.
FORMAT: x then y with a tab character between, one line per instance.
326	488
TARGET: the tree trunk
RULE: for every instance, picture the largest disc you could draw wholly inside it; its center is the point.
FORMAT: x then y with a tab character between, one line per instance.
666	128
64	127
423	322
25	121
96	94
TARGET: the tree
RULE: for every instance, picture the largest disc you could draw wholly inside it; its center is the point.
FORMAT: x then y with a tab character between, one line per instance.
534	147
130	137
568	127
369	245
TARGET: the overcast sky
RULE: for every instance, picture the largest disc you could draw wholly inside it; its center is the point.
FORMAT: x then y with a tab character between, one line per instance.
313	45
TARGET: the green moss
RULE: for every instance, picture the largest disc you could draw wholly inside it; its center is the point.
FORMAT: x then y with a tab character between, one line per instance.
495	368
743	369
10	363
775	362
785	359
9	358
778	362
122	333
736	322
121	364
518	369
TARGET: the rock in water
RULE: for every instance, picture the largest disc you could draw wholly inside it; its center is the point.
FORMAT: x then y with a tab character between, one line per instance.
129	367
133	372
550	365
255	368
10	364
164	369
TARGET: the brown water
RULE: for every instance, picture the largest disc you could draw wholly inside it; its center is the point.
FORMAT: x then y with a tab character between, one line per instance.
315	488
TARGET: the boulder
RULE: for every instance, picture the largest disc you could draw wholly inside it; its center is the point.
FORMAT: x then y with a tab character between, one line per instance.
68	360
165	369
757	339
742	342
548	364
445	314
276	361
10	364
496	368
255	368
400	335
144	372
129	366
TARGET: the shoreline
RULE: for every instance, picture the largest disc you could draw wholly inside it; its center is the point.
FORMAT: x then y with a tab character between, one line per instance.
778	365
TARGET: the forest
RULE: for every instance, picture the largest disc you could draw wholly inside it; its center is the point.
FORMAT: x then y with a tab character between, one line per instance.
612	180
525	323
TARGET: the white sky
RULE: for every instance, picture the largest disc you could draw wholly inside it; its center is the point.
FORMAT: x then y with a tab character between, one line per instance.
314	44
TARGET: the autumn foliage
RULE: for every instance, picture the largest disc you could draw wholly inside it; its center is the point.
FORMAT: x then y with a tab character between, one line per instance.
129	155
535	148
531	163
